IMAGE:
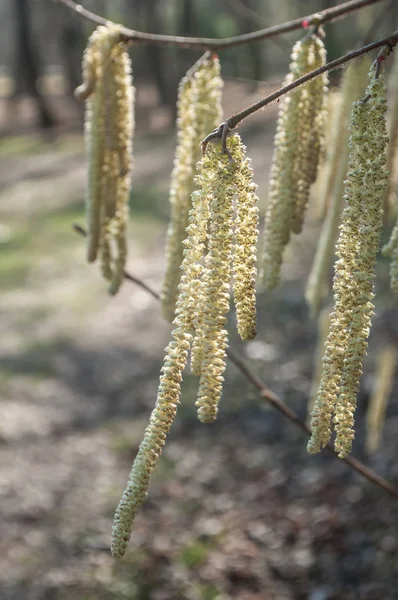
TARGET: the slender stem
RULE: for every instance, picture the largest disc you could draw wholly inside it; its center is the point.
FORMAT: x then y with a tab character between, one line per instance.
275	401
390	41
327	15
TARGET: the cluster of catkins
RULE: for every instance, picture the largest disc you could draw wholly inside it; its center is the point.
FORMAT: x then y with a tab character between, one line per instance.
220	246
109	95
212	236
198	112
298	148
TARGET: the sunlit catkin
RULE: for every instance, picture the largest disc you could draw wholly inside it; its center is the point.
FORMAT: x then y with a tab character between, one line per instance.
170	382
222	178
313	126
218	180
297	148
199	111
356	250
245	250
201	309
214	178
107	89
353	86
382	386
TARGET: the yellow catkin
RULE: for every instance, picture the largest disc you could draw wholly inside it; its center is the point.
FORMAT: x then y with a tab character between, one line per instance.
109	95
287	171
245	251
376	412
170	382
353	86
313	126
210	227
356	250
244	246
211	334
199	111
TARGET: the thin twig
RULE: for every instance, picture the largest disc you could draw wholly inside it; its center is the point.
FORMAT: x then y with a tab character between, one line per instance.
131	278
275	401
232	122
327	15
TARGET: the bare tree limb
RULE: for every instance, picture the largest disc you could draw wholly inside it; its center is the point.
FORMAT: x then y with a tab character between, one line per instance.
325	16
223	129
389	41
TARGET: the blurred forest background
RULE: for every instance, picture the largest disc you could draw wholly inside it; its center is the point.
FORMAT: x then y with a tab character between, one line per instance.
236	509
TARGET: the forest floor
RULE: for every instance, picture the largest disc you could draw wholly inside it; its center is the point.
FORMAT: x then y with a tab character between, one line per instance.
237	509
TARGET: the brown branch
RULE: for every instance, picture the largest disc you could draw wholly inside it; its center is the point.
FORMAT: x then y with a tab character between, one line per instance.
276	402
325	16
232	122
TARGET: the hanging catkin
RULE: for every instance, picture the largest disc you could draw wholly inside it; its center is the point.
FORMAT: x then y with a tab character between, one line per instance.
202	305
245	249
199	111
107	89
244	254
212	337
313	116
167	401
297	148
353	86
356	250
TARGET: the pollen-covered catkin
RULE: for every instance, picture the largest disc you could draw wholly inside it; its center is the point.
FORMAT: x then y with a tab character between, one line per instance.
313	126
109	95
211	335
215	172
291	170
353	86
201	307
170	381
245	250
354	273
199	111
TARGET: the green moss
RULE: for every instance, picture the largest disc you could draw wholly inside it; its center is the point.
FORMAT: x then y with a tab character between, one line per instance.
195	554
208	591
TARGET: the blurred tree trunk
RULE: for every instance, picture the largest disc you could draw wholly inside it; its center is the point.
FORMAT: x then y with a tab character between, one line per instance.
156	54
72	44
27	64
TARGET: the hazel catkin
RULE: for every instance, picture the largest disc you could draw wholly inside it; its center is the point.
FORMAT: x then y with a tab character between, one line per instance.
198	112
352	87
201	309
356	250
109	95
298	147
